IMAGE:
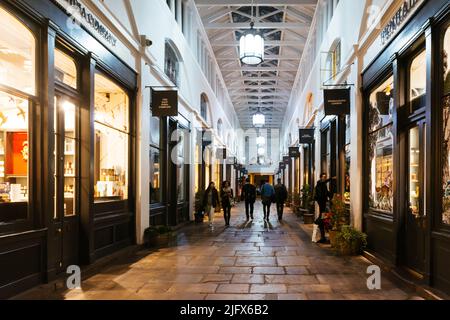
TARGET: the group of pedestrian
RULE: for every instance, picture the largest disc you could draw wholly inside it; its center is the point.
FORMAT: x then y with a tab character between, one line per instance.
212	199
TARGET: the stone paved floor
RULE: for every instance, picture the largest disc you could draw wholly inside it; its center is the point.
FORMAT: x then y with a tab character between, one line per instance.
254	260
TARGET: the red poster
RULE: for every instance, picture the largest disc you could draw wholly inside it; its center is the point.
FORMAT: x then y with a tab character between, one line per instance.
16	154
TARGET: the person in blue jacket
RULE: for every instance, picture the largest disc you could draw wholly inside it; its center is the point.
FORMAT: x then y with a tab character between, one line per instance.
267	196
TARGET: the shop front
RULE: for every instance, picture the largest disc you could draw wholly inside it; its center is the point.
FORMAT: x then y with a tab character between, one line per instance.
406	101
66	145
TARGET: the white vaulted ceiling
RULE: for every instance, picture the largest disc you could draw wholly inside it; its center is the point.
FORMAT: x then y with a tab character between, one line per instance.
285	26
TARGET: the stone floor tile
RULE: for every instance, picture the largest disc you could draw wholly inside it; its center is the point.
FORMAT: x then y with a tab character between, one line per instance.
248	278
268	288
269	270
233	288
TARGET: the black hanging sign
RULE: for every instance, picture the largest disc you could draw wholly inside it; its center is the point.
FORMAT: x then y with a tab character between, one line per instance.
336	102
282	166
164	103
207	137
306	136
294	152
286	160
221	154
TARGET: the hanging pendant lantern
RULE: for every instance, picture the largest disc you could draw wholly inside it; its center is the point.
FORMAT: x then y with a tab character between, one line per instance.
259	120
251	47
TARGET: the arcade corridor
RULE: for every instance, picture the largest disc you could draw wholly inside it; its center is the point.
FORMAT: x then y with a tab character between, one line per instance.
248	261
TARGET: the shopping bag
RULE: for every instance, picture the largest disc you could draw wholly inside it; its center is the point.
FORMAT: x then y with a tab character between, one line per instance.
316	234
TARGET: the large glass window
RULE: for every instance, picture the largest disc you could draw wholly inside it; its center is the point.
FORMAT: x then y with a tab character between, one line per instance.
380	143
155	176
111	140
65	69
347	159
14	152
418	82
446	129
17	54
171	64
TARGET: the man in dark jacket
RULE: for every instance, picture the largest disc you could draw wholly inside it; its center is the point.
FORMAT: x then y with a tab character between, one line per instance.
281	195
249	195
210	202
322	195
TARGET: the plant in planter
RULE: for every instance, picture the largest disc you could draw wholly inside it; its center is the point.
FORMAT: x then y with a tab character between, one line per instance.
296	203
289	200
151	237
350	241
199	214
337	218
308	204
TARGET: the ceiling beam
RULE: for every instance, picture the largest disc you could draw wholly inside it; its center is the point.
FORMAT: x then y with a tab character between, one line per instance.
300	43
267	57
258	25
263	69
241	3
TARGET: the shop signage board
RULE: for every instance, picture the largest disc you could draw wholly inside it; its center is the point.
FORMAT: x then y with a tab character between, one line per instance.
294	152
282	166
221	154
398	20
81	15
306	136
336	102
164	103
286	160
207	137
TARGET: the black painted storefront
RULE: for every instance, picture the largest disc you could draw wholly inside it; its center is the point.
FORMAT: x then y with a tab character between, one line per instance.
37	249
410	236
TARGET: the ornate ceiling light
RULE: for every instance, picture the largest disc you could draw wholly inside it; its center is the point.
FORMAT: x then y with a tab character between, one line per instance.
259	120
251	46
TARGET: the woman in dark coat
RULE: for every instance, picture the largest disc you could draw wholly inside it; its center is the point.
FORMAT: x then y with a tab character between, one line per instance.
210	202
226	194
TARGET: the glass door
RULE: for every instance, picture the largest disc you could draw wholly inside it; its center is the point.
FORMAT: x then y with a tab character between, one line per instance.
415	215
66	213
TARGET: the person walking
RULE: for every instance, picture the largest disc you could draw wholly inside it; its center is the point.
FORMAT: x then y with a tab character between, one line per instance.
210	202
322	196
281	195
249	195
267	195
226	194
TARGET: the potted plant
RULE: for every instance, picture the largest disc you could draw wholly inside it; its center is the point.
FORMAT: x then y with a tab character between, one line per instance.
296	203
337	217
151	237
289	200
199	214
350	241
308	204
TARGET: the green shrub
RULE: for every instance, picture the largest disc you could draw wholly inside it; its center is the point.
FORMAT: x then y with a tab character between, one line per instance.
350	241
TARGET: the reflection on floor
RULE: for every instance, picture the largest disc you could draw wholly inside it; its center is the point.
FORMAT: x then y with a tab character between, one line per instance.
247	261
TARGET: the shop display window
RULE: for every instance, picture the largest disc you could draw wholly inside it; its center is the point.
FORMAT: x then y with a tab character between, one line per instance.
155	176
446	130
380	153
14	149
418	82
414	171
111	141
65	69
17	54
347	159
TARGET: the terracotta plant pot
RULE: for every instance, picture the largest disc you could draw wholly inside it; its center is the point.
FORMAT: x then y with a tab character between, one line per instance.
332	235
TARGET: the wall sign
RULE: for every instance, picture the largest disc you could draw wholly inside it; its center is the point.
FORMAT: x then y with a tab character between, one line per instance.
164	103
306	136
286	160
221	154
79	14
294	152
397	21
207	137
282	166
336	102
